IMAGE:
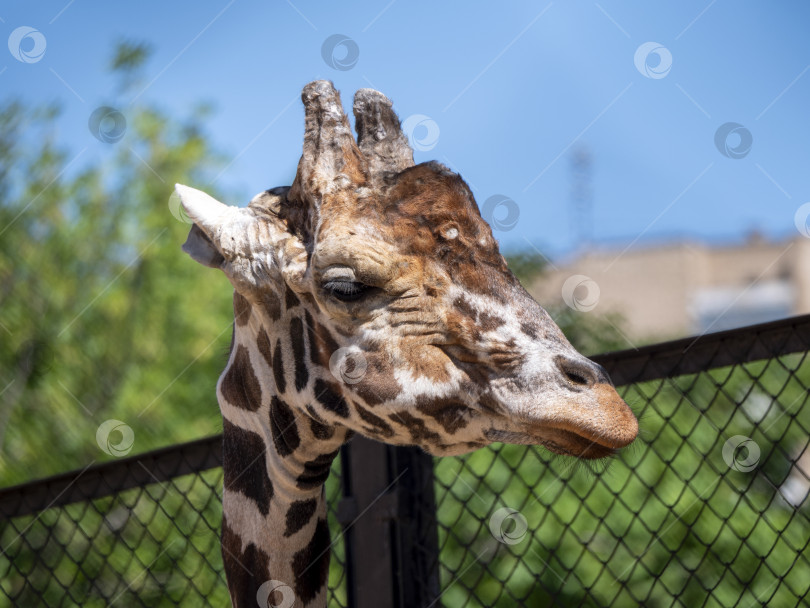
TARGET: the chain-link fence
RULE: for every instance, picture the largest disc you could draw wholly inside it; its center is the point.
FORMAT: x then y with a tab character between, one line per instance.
143	531
708	508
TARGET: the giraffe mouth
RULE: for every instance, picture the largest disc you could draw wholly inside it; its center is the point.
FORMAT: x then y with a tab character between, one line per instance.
572	444
557	441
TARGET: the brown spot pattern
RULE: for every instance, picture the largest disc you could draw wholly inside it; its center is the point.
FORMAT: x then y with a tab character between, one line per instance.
489	322
272	305
278	369
290	299
478	375
311	564
449	413
244	466
316	471
299	514
378	383
319	428
321	343
464	307
529	329
380	426
265	348
478	321
416	427
245	570
241	309
329	396
239	386
297	342
487	401
283	427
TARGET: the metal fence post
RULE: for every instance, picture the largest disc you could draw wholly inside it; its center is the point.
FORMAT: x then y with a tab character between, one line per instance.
389	514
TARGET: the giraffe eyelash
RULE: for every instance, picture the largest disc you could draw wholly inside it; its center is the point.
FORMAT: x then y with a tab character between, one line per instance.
346	290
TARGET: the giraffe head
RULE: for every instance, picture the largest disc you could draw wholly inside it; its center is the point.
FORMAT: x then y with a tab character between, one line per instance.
399	317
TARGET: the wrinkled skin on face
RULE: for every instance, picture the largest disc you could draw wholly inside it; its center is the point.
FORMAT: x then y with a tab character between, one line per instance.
393	264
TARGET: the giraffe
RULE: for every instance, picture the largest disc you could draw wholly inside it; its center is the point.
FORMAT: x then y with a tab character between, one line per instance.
370	297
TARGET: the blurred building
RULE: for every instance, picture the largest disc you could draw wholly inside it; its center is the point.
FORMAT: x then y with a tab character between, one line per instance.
685	288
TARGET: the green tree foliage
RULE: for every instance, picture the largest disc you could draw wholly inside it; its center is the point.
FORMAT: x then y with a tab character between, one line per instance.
129	56
526	265
101	315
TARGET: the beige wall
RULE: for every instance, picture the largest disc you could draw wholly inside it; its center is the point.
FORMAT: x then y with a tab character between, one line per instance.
800	256
656	288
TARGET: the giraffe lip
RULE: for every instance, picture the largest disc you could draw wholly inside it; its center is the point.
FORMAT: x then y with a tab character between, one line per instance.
558	441
574	444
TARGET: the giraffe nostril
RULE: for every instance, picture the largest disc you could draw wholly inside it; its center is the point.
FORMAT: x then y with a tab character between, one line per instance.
576	378
580	374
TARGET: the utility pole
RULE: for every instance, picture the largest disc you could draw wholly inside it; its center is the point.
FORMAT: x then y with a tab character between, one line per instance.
581	204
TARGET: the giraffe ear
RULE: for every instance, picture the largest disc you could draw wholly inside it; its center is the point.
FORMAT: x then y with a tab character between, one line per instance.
209	216
201	249
240	241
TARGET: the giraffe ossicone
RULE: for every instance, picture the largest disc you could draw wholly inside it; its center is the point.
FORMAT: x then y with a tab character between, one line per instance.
390	265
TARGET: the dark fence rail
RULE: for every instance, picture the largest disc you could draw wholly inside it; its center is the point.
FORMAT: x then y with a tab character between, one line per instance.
708	351
681	518
108	478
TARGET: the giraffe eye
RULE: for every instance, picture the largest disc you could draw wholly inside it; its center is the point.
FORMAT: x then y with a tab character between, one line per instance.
346	290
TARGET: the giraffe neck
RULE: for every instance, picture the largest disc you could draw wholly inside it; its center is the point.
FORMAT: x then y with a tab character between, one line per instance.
276	458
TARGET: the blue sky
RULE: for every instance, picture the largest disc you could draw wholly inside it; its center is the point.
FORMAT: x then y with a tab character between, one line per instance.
507	93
